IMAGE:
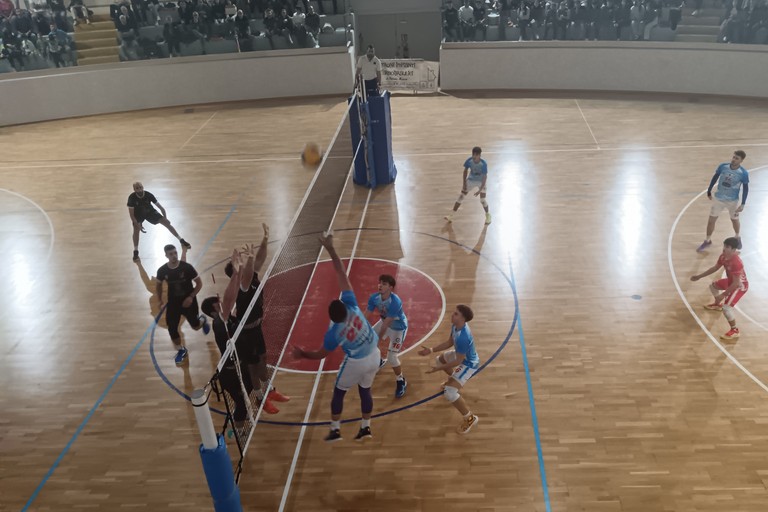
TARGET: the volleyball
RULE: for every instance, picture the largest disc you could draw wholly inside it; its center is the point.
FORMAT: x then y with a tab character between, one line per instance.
311	155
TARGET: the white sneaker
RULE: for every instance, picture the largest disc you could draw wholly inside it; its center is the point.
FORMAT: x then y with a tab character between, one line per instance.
449	218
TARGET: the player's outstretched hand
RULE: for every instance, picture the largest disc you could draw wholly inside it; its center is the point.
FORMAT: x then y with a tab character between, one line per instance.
235	260
425	351
266	229
327	239
298	353
694	278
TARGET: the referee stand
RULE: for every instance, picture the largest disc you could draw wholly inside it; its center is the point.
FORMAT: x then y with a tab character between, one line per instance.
371	123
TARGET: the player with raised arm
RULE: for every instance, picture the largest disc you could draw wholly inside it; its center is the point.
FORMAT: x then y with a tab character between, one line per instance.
391	326
460	363
351	331
475	177
728	291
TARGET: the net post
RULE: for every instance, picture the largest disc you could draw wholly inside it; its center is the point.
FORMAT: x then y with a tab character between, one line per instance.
215	458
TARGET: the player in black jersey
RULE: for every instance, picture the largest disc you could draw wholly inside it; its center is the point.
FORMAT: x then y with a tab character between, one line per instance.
140	209
182	298
252	334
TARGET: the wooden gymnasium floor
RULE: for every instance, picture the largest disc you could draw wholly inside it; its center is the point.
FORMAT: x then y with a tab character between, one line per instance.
594	201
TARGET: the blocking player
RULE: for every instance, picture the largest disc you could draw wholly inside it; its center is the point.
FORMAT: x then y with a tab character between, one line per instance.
140	209
460	363
351	331
252	335
475	177
728	291
729	178
391	326
182	299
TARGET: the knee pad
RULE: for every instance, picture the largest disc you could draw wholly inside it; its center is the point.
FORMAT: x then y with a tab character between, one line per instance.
728	312
461	197
451	394
484	202
392	359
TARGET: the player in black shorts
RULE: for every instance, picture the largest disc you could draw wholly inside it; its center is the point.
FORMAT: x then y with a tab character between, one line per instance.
252	335
140	209
224	326
182	298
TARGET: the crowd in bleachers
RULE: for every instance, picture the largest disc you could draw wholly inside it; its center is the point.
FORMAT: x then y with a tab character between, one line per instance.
148	29
39	36
742	21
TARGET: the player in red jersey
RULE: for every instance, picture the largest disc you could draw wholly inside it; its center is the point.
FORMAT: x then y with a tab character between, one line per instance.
727	291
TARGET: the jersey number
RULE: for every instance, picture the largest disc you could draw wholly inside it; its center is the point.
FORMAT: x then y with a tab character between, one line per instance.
354	328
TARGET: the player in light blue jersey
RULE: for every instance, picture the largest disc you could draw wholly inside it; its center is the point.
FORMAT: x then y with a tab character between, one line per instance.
351	331
460	363
391	326
729	178
475	177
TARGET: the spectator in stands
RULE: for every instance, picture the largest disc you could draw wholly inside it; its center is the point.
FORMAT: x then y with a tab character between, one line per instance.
7	8
637	17
523	19
218	12
243	31
299	28
230	9
467	21
195	30
481	21
42	23
675	13
451	30
130	19
172	36
563	19
185	11
12	43
127	34
24	25
270	26
79	11
537	19
139	8
550	20
55	50
285	26
312	23
66	43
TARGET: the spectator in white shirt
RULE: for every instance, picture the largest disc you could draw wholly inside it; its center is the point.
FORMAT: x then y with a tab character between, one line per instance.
369	68
467	21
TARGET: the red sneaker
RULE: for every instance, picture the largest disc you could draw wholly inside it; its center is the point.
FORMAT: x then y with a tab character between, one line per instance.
733	334
277	396
714	307
269	407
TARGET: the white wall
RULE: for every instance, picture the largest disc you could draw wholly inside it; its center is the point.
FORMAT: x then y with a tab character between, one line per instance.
735	70
100	89
394	6
384	31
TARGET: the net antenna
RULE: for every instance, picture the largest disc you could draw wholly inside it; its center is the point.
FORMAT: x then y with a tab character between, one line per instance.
361	97
285	283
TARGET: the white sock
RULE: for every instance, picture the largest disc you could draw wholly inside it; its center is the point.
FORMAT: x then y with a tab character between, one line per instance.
335	425
400	377
468	415
365	423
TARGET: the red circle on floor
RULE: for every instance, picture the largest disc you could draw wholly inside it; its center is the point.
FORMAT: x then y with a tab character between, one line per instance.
423	302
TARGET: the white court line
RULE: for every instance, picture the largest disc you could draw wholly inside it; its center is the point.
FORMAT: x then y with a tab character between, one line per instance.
297	451
45	214
587	123
709	334
399	155
198	130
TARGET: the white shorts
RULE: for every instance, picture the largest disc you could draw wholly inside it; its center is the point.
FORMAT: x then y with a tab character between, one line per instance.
396	338
461	373
358	372
718	206
472	185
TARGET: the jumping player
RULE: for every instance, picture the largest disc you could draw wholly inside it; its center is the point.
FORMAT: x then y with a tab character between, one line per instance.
351	331
391	326
252	335
460	363
475	177
728	291
182	298
729	178
140	209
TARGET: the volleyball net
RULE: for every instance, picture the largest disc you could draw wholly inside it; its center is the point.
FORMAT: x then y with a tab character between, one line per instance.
284	285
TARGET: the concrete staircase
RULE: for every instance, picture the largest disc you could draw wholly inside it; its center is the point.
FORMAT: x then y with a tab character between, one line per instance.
96	42
702	28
